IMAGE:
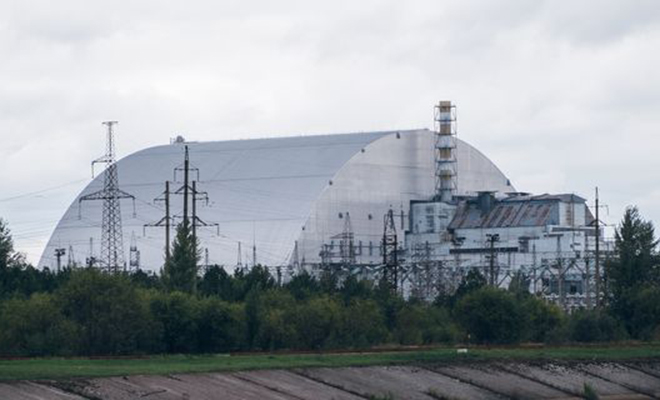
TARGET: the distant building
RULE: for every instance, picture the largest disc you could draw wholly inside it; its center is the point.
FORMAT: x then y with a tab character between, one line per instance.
549	240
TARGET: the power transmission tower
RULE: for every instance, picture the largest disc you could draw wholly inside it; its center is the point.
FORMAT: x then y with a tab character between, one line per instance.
71	260
134	254
190	193
166	220
239	258
347	243
296	257
112	240
390	249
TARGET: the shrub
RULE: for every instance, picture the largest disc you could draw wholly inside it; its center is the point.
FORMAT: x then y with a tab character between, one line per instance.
35	327
362	324
107	310
645	312
316	322
220	326
542	318
176	314
490	315
594	326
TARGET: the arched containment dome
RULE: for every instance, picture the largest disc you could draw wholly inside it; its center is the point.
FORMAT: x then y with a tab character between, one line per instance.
285	196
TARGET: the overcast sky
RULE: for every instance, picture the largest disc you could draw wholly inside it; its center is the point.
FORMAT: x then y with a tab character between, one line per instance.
562	95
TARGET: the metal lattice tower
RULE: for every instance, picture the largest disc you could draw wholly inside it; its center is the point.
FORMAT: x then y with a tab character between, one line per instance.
390	256
446	170
112	238
347	243
134	254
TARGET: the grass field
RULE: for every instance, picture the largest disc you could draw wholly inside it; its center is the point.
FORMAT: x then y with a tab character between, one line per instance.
62	368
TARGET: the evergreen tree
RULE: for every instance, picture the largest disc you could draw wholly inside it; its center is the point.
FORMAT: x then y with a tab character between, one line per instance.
635	266
6	246
180	271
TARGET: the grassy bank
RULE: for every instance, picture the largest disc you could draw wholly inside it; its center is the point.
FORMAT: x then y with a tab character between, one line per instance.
62	368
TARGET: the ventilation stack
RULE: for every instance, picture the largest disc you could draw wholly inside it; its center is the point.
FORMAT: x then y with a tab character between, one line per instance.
445	151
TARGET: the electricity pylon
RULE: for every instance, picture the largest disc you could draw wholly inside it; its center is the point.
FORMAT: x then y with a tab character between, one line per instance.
112	240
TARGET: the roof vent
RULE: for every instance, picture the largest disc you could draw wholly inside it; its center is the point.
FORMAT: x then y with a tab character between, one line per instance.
485	201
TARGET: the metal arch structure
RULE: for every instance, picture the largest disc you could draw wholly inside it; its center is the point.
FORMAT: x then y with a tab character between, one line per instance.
276	192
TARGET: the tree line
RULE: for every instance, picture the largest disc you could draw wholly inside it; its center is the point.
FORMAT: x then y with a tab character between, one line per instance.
89	312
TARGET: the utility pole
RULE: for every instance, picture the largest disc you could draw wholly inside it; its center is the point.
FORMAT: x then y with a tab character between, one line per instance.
59	253
165	221
254	244
186	176
587	274
239	257
186	189
194	213
561	272
492	239
112	237
597	261
254	254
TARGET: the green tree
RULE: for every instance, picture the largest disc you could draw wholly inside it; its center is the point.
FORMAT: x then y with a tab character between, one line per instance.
362	324
472	281
108	311
490	315
245	281
317	322
542	318
354	288
220	326
217	282
645	319
180	271
277	314
36	327
303	286
7	255
594	326
519	284
635	266
177	315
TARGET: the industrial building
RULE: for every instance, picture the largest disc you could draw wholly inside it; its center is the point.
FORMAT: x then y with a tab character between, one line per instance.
315	202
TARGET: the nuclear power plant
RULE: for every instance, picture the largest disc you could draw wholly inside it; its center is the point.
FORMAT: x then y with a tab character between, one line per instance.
419	208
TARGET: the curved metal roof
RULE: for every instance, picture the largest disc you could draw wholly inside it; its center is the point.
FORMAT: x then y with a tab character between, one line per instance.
261	191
